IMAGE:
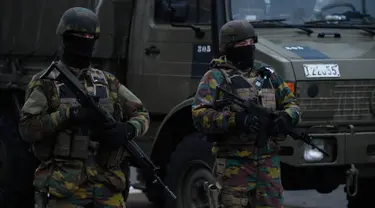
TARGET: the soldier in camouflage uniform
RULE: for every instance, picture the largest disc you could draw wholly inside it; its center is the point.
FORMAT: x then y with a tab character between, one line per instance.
249	175
80	158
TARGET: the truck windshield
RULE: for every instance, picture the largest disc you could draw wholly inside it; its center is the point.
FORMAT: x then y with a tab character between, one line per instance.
298	12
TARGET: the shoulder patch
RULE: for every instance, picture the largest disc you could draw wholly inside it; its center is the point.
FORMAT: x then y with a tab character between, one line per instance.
217	74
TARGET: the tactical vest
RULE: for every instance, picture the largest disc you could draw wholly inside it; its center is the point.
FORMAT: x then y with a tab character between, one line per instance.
75	142
244	87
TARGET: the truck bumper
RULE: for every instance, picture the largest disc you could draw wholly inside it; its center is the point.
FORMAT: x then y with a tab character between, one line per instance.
344	149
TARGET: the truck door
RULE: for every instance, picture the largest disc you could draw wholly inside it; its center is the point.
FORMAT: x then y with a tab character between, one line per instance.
166	62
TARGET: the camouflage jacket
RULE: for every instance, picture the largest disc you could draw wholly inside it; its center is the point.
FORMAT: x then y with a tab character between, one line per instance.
210	120
43	116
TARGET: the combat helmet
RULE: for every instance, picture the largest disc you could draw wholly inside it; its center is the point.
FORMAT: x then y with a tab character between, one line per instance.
235	31
79	20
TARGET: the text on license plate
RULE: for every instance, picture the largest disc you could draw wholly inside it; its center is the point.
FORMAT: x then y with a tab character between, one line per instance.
321	70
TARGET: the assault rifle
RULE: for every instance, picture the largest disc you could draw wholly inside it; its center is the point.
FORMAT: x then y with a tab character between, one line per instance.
59	72
266	117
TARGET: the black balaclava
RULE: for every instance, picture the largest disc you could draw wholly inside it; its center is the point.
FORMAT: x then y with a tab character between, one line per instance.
77	51
241	57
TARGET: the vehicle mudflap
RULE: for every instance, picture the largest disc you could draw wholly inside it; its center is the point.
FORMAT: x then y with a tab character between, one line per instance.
352	176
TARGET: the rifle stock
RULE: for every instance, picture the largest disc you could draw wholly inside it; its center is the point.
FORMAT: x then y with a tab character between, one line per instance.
59	72
267	116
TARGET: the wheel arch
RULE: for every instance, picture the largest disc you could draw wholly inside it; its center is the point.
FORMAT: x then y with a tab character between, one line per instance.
175	126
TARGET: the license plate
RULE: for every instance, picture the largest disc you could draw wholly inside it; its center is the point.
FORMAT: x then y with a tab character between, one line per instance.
321	70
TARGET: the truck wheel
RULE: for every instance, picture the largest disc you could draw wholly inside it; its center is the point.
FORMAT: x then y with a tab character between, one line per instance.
364	195
189	167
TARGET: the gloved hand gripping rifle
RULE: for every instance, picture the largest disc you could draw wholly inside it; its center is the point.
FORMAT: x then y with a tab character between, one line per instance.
266	117
59	72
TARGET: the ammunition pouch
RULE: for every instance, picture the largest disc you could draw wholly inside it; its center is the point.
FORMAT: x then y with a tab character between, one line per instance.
68	145
43	150
111	159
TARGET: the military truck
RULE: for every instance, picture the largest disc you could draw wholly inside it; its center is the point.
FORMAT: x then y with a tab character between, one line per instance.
161	48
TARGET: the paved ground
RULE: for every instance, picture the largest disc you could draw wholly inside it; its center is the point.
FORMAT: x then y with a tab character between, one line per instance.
313	199
295	199
301	199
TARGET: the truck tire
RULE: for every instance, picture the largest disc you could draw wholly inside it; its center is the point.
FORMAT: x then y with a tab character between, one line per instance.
189	167
364	196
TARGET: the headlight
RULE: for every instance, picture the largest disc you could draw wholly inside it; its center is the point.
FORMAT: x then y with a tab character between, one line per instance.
313	155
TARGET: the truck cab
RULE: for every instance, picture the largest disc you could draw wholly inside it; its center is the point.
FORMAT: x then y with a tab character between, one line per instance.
161	48
324	51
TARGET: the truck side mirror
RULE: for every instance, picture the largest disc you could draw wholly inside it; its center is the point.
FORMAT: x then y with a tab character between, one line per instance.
179	12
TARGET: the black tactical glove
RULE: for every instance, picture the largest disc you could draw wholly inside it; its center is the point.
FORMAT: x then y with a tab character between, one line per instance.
115	135
283	123
81	116
247	122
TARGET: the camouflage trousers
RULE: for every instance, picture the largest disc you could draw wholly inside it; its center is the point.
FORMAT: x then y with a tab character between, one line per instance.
250	183
89	195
